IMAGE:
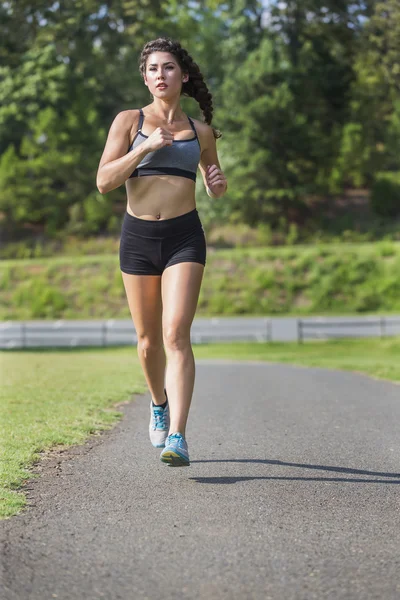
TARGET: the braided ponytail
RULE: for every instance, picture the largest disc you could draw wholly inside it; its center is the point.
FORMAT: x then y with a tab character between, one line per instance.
195	87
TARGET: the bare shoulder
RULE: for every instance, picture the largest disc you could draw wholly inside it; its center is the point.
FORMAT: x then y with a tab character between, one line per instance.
205	133
127	118
126	123
202	127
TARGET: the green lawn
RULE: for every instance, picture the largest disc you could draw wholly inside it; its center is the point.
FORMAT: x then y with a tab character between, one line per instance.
375	357
51	398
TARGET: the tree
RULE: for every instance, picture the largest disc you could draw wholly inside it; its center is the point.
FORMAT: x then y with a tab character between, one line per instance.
291	98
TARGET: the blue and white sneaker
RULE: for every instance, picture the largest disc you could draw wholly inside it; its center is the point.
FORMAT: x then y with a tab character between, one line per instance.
159	424
175	453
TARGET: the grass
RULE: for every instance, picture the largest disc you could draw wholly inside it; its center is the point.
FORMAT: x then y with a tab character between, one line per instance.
59	398
294	280
53	399
374	357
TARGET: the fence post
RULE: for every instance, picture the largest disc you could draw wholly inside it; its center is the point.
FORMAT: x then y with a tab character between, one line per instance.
267	336
299	331
23	334
104	334
383	332
269	330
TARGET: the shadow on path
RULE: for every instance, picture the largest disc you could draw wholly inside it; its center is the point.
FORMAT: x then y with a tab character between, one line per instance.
235	479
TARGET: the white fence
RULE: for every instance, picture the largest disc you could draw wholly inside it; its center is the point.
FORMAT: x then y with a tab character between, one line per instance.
36	334
323	329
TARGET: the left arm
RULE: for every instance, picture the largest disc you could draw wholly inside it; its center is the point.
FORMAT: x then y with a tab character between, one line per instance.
213	177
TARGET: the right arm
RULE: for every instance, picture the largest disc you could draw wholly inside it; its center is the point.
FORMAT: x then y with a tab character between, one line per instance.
116	163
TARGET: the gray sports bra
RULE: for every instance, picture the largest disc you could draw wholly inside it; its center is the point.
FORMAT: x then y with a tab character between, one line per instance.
182	158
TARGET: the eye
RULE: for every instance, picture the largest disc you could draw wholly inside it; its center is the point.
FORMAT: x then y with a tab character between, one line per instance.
153	68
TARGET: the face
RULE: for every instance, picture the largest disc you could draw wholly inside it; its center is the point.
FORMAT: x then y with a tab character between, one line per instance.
163	67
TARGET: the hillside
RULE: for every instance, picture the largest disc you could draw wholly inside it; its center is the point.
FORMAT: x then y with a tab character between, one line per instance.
323	279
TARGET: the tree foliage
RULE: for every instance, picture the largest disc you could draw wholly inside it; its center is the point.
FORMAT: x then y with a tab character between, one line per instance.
307	96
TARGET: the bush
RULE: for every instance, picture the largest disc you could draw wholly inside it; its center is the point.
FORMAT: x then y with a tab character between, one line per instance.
385	194
341	279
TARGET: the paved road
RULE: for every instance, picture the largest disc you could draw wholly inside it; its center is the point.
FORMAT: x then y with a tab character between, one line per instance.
293	494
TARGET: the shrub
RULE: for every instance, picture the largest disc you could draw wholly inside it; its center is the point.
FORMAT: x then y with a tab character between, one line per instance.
385	194
385	248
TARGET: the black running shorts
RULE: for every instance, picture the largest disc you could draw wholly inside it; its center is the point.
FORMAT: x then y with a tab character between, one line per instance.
149	247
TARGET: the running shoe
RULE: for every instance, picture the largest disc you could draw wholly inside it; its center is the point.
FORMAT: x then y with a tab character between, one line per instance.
159	424
175	453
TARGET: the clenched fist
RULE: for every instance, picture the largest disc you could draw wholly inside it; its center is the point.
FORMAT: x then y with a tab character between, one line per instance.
216	181
158	139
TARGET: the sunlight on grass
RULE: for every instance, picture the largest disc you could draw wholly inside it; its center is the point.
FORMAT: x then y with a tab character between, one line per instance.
59	398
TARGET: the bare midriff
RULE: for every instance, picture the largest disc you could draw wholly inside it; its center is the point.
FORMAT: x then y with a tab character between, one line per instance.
158	197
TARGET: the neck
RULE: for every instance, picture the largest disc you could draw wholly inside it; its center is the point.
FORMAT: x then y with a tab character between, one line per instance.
169	113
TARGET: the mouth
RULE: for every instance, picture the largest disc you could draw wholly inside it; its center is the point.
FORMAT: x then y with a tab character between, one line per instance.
162	86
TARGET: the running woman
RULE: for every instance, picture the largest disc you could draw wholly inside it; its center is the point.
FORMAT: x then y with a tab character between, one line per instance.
155	151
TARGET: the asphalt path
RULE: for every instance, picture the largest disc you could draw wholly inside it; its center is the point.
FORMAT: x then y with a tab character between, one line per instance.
292	493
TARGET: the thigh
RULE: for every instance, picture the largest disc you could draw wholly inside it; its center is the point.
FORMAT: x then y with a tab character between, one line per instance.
188	247
180	289
144	299
138	252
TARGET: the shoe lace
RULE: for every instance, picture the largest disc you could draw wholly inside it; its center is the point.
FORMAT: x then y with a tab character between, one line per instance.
176	438
160	418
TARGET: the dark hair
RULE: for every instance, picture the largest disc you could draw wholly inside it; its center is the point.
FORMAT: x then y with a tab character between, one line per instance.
195	87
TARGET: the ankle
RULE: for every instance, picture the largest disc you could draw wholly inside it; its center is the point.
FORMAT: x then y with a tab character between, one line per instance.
182	433
163	404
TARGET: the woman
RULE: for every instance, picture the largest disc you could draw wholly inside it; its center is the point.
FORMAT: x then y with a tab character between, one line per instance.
155	151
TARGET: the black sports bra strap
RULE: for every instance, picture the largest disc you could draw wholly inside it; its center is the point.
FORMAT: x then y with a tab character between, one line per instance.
192	126
141	119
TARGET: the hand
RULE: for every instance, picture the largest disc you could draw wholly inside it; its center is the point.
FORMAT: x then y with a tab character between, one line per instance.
216	181
158	139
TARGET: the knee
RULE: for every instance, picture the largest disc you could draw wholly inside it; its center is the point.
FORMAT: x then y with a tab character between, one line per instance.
176	338
147	345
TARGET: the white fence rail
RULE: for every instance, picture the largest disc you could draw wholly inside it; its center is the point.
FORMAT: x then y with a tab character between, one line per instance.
322	329
63	333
